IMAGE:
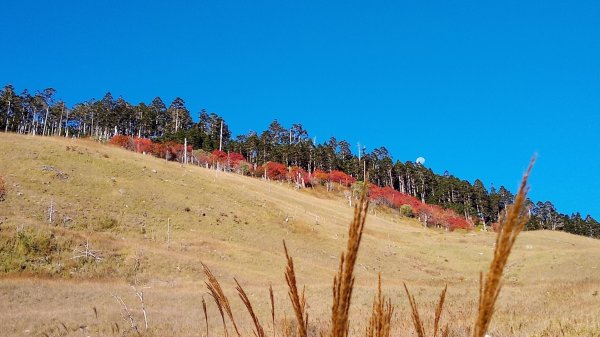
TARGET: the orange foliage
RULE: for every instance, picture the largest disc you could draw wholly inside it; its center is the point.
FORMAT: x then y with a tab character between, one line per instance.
143	145
341	178
432	214
320	176
298	175
275	171
122	141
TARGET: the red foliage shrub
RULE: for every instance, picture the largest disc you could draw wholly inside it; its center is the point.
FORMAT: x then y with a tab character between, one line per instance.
457	223
320	176
230	160
341	178
276	171
122	141
219	157
298	175
258	171
143	145
394	197
434	215
158	150
235	158
176	151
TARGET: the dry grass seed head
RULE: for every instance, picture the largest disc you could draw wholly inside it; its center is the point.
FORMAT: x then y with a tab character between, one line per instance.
513	223
416	318
438	311
220	299
298	301
259	331
343	282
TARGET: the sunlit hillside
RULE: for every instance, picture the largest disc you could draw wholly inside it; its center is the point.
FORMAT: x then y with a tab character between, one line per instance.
82	222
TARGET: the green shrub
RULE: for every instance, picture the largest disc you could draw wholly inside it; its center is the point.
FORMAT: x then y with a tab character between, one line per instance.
406	210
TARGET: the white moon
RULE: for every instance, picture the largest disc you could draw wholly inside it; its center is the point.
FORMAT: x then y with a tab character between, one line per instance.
420	160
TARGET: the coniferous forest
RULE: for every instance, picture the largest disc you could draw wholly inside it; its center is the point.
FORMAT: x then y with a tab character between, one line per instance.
276	153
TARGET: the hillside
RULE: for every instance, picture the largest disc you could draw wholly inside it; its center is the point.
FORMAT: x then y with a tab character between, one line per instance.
151	222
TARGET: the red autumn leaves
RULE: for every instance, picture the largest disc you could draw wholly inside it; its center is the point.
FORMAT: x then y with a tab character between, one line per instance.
432	215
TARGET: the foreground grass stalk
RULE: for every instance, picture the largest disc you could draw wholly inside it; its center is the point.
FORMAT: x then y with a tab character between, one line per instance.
259	331
438	311
220	299
418	321
416	317
272	307
343	282
298	301
510	227
205	314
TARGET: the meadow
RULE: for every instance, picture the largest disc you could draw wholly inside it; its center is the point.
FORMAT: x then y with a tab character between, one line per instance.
85	226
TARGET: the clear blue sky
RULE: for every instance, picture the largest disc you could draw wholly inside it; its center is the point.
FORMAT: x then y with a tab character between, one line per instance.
476	88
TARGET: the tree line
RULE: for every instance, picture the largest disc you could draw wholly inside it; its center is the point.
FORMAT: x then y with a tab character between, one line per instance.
41	113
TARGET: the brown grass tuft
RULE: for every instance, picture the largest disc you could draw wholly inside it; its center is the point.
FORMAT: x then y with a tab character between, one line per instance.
343	282
298	300
510	227
381	317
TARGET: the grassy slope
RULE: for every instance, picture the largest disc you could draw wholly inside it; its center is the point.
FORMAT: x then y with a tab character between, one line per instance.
121	202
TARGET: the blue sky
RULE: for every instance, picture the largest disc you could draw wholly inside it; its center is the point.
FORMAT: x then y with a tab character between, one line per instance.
476	88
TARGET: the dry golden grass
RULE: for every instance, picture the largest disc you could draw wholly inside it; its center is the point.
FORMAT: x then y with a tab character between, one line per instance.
235	225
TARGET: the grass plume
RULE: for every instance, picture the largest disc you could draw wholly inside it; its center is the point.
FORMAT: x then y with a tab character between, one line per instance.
416	317
220	299
343	282
298	300
510	227
259	331
438	312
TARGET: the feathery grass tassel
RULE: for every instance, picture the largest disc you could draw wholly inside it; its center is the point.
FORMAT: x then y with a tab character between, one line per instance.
510	227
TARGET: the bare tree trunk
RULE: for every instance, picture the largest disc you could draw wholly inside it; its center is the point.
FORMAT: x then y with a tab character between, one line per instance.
67	126
45	120
221	138
60	121
7	114
185	154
